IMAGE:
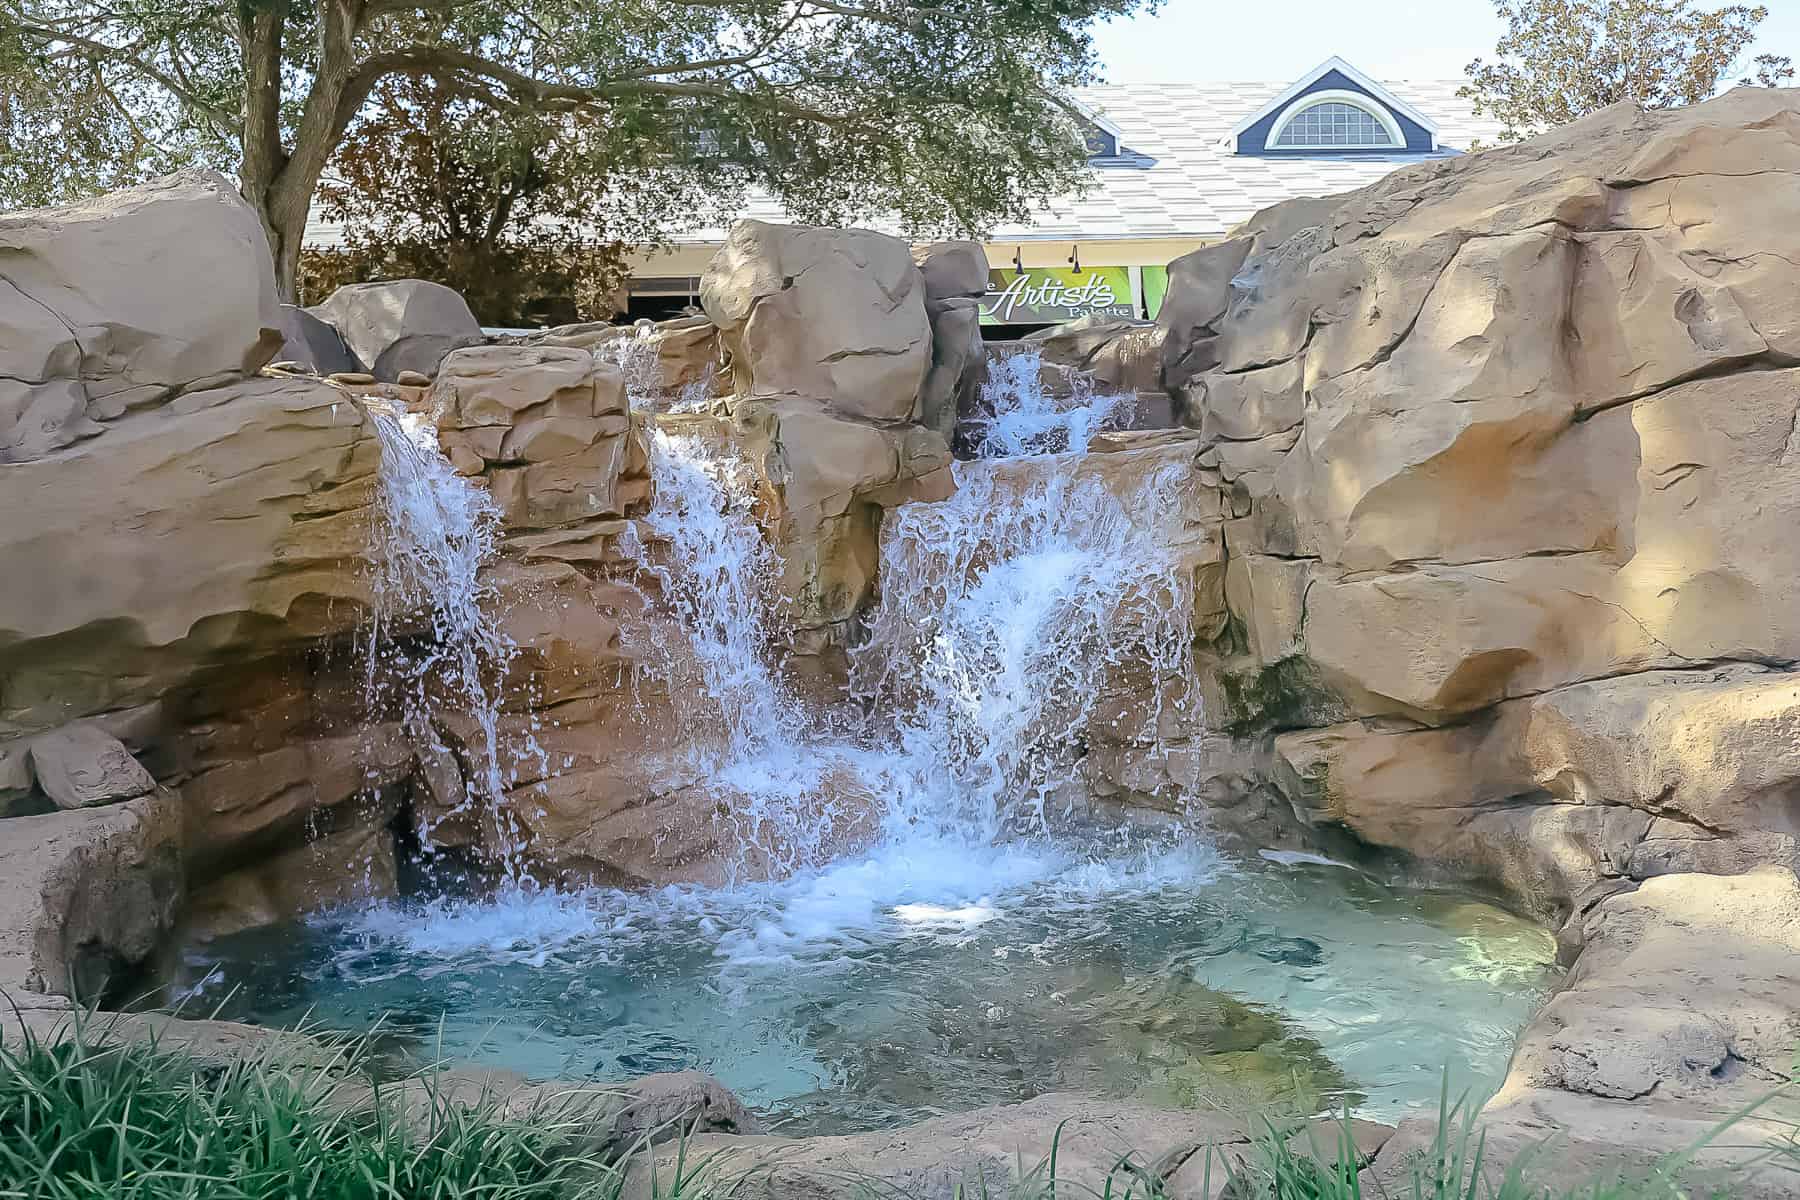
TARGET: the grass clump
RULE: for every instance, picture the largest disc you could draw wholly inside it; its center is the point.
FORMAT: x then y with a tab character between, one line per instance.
83	1119
88	1118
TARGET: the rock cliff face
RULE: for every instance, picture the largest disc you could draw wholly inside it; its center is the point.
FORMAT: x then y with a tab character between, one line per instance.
839	346
1507	443
1507	456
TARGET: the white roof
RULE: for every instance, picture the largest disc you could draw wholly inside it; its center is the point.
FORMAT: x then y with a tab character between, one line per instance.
1196	185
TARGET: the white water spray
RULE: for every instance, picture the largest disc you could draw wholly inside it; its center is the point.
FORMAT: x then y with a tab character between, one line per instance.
745	728
433	641
639	359
1005	612
1026	418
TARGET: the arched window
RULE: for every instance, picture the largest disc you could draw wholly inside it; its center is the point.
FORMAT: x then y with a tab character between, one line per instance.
1335	121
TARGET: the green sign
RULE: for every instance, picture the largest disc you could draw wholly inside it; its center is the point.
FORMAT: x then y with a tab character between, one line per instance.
1156	286
1047	296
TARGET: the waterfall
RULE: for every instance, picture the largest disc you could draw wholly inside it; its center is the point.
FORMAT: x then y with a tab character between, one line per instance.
433	641
1005	611
746	730
639	359
1024	418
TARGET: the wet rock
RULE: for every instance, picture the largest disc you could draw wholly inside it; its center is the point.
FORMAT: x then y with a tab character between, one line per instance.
341	867
825	481
959	365
1288	951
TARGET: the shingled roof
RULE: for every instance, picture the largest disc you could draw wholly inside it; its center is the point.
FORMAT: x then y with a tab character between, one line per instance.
1182	177
1195	184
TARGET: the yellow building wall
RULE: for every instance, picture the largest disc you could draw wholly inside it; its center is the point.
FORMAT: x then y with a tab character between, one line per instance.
691	258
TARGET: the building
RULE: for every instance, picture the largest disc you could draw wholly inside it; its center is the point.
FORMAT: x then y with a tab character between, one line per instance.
1175	166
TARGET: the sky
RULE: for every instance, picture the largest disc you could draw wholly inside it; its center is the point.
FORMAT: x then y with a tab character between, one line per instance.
1225	40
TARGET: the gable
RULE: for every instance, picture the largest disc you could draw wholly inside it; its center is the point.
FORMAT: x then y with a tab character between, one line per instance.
1335	80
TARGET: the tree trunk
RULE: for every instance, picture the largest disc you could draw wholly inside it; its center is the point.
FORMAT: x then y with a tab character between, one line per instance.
279	180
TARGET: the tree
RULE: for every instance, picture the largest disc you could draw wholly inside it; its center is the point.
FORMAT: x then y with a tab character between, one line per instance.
505	209
950	114
1562	59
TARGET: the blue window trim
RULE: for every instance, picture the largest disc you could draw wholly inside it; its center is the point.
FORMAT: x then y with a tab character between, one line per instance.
1253	141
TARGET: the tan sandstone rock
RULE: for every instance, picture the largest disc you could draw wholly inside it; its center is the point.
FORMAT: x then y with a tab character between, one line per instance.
117	302
825	481
1628	777
1097	1142
88	899
548	429
831	315
82	766
1679	1013
245	524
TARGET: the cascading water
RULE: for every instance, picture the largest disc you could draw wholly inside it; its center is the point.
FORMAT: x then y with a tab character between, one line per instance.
433	642
970	953
639	359
745	729
1003	610
1024	417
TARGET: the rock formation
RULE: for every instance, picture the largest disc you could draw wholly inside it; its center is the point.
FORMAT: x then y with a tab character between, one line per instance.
1506	451
831	349
1487	491
83	342
1506	442
400	325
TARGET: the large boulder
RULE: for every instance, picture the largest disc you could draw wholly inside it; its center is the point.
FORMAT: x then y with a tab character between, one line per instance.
400	324
1524	417
88	900
825	481
952	270
246	518
830	315
116	303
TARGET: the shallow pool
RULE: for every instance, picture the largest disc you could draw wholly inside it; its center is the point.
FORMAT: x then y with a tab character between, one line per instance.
932	976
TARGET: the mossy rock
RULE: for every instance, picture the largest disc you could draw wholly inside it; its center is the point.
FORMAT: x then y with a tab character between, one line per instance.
1267	699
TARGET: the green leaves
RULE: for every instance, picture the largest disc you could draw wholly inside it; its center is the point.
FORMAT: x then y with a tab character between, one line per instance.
1562	59
948	114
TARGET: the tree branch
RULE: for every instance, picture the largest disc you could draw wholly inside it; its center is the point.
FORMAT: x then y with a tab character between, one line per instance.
128	56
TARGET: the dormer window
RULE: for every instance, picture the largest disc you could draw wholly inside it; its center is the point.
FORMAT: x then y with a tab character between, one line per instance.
1100	143
1334	109
1335	121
